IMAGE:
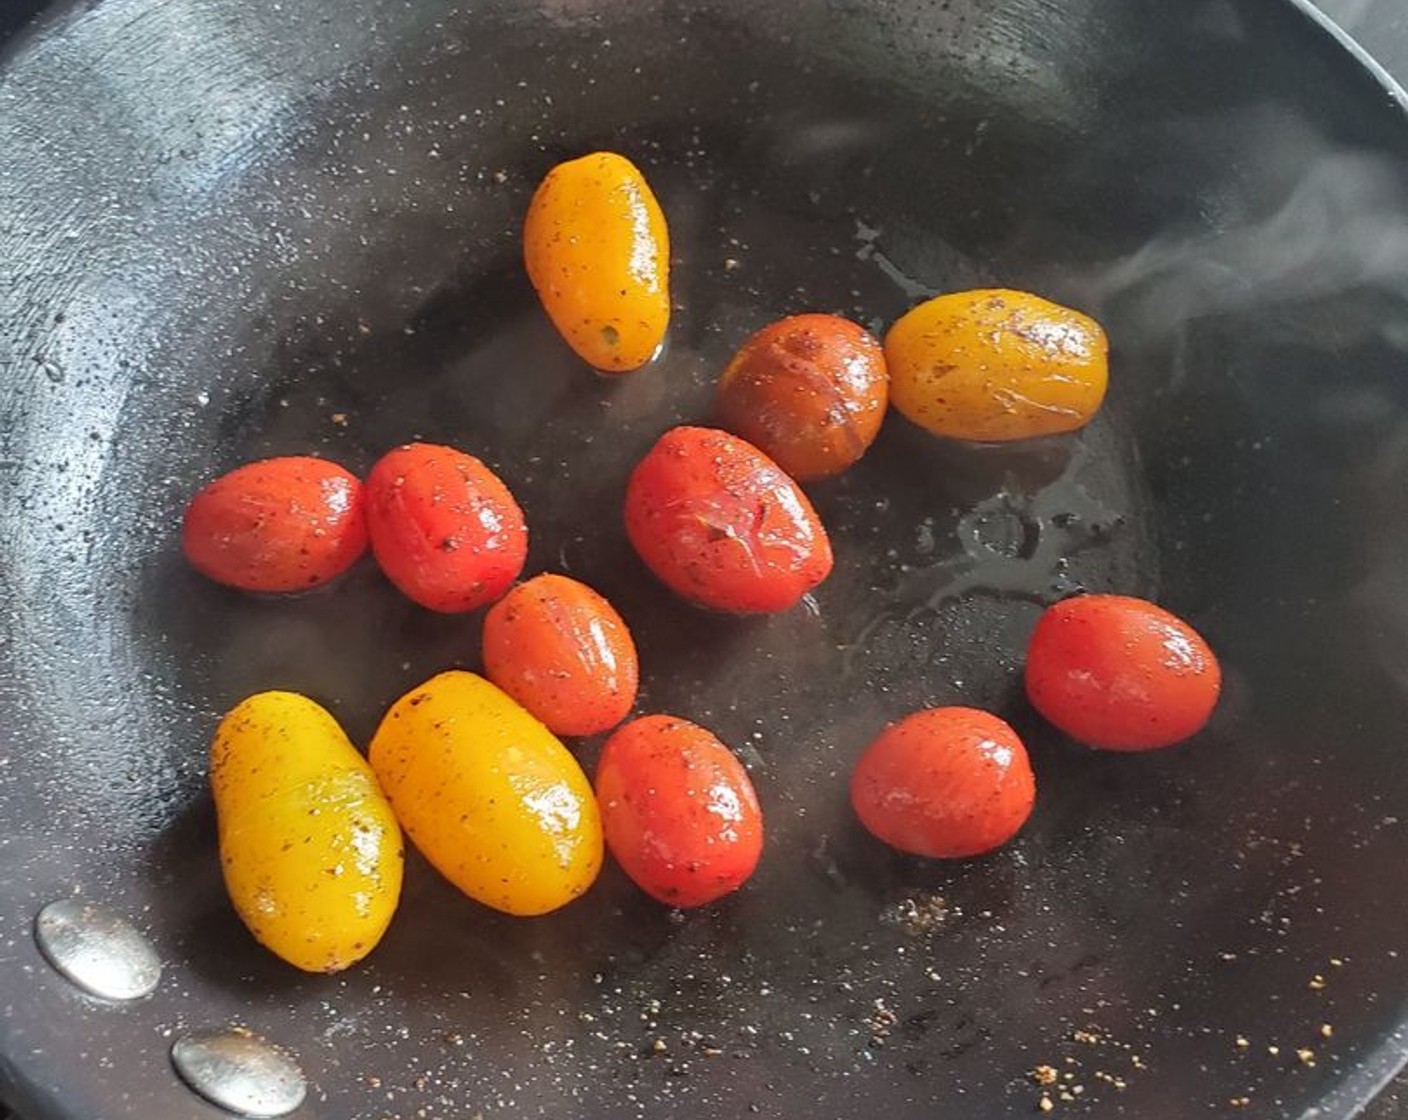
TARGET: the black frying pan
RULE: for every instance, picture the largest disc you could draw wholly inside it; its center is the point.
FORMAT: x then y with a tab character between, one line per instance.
237	230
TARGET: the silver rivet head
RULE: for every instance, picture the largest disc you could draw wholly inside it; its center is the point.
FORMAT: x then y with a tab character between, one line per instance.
240	1072
97	950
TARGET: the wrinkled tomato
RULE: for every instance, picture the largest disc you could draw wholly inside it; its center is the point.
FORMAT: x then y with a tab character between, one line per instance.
723	525
444	527
809	391
562	651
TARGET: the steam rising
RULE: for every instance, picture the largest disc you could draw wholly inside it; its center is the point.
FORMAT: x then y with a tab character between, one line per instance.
1340	228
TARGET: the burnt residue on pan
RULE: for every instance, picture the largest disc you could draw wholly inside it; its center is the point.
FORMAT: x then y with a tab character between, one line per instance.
241	232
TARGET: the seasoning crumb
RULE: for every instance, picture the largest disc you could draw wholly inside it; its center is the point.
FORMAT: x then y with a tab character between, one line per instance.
1240	1102
1306	1056
1273	1050
1326	1031
1110	1079
340	419
500	177
918	914
1227	956
1136	1061
1317	982
1089	1037
1046	1104
1242	1042
658	1046
1335	962
730	263
1045	1075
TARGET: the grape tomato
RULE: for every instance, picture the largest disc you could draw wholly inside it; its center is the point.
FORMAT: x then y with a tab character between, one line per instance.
722	525
1121	673
564	653
809	391
679	811
945	783
444	527
276	525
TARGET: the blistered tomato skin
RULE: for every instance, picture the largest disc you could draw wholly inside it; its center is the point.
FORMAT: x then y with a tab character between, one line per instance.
1121	673
722	525
490	797
444	527
564	653
809	391
947	783
996	365
311	853
598	253
680	813
276	525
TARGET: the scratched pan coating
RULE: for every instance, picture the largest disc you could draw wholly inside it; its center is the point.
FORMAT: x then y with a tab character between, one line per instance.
240	231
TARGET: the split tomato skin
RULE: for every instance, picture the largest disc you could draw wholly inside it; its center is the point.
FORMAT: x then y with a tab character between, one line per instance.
809	391
562	651
679	811
946	783
276	525
444	527
722	525
1120	673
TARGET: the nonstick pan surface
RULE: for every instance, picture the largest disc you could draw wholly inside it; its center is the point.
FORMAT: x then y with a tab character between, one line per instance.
236	230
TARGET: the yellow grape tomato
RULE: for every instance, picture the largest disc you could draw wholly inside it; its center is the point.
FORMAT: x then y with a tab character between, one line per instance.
598	253
489	795
311	853
995	365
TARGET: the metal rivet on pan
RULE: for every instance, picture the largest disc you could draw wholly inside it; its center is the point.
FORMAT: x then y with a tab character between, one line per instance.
97	950
240	1072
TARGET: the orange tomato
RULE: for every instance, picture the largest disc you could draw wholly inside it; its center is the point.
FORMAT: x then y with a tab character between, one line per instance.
562	651
283	524
996	365
679	811
444	527
598	253
809	391
946	783
1121	673
722	525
